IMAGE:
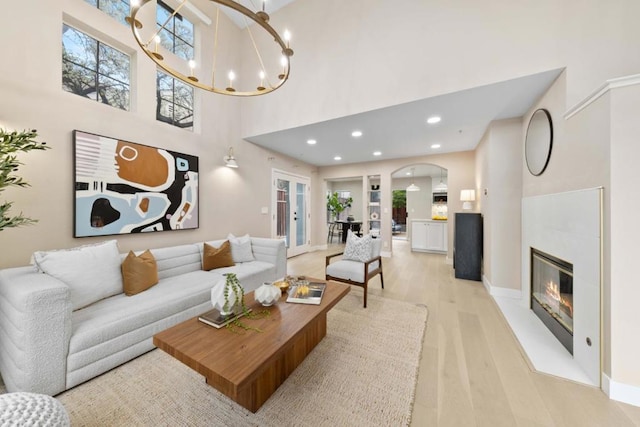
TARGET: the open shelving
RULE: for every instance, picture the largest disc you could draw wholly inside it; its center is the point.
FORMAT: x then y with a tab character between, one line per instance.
373	206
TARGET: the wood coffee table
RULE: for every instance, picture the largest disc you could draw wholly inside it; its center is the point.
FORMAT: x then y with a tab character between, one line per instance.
249	367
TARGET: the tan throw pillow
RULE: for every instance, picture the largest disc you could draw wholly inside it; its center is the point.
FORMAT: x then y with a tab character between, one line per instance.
139	273
213	258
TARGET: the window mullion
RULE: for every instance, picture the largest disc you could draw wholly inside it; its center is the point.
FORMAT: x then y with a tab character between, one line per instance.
97	79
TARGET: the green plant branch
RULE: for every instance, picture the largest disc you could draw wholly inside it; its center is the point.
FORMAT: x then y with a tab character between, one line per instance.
335	205
12	143
232	284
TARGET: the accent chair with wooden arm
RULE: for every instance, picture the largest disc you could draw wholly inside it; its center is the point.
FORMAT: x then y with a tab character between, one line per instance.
356	272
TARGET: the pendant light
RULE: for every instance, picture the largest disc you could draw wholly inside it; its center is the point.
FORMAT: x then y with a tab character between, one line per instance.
413	186
441	187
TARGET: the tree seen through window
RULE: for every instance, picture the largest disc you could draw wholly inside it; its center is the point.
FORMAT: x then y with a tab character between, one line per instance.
174	102
177	34
94	70
119	9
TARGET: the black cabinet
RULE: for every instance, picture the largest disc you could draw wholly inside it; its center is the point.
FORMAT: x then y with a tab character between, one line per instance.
467	249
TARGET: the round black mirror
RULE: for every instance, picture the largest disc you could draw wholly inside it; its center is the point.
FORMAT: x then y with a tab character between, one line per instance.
538	142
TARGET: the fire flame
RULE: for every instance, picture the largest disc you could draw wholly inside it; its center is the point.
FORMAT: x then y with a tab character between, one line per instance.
553	291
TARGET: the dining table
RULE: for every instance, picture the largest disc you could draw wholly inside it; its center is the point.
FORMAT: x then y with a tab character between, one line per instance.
345	226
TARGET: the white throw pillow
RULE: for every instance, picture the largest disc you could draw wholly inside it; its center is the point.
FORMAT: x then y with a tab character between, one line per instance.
241	248
357	248
92	272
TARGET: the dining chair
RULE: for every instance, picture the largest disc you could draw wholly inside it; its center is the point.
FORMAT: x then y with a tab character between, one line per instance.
334	230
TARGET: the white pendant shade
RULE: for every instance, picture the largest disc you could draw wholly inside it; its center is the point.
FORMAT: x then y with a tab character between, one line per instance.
413	186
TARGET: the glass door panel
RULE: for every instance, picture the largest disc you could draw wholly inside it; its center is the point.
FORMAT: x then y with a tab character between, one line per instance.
291	212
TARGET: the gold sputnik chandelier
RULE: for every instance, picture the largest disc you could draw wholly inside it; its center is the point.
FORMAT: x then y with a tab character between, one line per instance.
266	80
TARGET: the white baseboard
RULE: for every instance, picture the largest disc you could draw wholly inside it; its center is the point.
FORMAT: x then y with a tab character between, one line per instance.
448	260
500	292
624	393
385	254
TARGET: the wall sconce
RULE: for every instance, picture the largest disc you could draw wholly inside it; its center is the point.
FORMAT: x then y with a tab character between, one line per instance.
467	196
229	160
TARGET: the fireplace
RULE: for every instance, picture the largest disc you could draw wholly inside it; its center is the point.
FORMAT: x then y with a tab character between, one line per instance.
552	295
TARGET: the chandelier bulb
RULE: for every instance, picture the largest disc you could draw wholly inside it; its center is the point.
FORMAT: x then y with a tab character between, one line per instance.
155	52
283	62
232	77
192	66
262	76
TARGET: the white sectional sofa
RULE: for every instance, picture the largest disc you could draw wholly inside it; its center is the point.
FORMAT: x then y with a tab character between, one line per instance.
47	347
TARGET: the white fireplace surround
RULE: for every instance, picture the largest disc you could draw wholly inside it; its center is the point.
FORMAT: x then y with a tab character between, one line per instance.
568	226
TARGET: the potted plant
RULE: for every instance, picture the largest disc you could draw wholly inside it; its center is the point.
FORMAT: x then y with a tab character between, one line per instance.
228	296
10	144
336	206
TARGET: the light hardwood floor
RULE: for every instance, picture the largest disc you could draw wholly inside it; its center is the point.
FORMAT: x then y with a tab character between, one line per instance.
472	371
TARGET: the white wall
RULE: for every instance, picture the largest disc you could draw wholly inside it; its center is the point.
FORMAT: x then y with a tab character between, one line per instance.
355	56
483	202
419	202
499	172
505	192
625	205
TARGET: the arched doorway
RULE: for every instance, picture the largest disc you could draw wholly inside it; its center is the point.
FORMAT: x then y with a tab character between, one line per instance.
419	191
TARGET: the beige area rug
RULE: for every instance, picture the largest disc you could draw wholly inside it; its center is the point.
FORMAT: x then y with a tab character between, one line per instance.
362	373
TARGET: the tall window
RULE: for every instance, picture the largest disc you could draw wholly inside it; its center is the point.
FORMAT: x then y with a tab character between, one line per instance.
94	70
174	102
119	9
177	35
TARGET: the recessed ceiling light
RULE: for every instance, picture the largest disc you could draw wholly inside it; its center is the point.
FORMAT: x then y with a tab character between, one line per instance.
408	173
377	153
433	120
311	141
337	158
434	146
356	133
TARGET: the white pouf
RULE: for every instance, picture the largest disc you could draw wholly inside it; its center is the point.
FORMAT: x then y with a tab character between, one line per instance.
31	409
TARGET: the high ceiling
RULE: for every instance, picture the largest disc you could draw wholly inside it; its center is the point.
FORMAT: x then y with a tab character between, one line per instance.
270	7
401	131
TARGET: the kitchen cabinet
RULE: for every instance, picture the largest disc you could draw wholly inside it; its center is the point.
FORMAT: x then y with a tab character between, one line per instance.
428	235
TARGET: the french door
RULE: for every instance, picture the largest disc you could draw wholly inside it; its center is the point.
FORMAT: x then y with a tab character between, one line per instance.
291	211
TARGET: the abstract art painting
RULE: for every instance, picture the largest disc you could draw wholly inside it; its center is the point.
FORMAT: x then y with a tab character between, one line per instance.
122	187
